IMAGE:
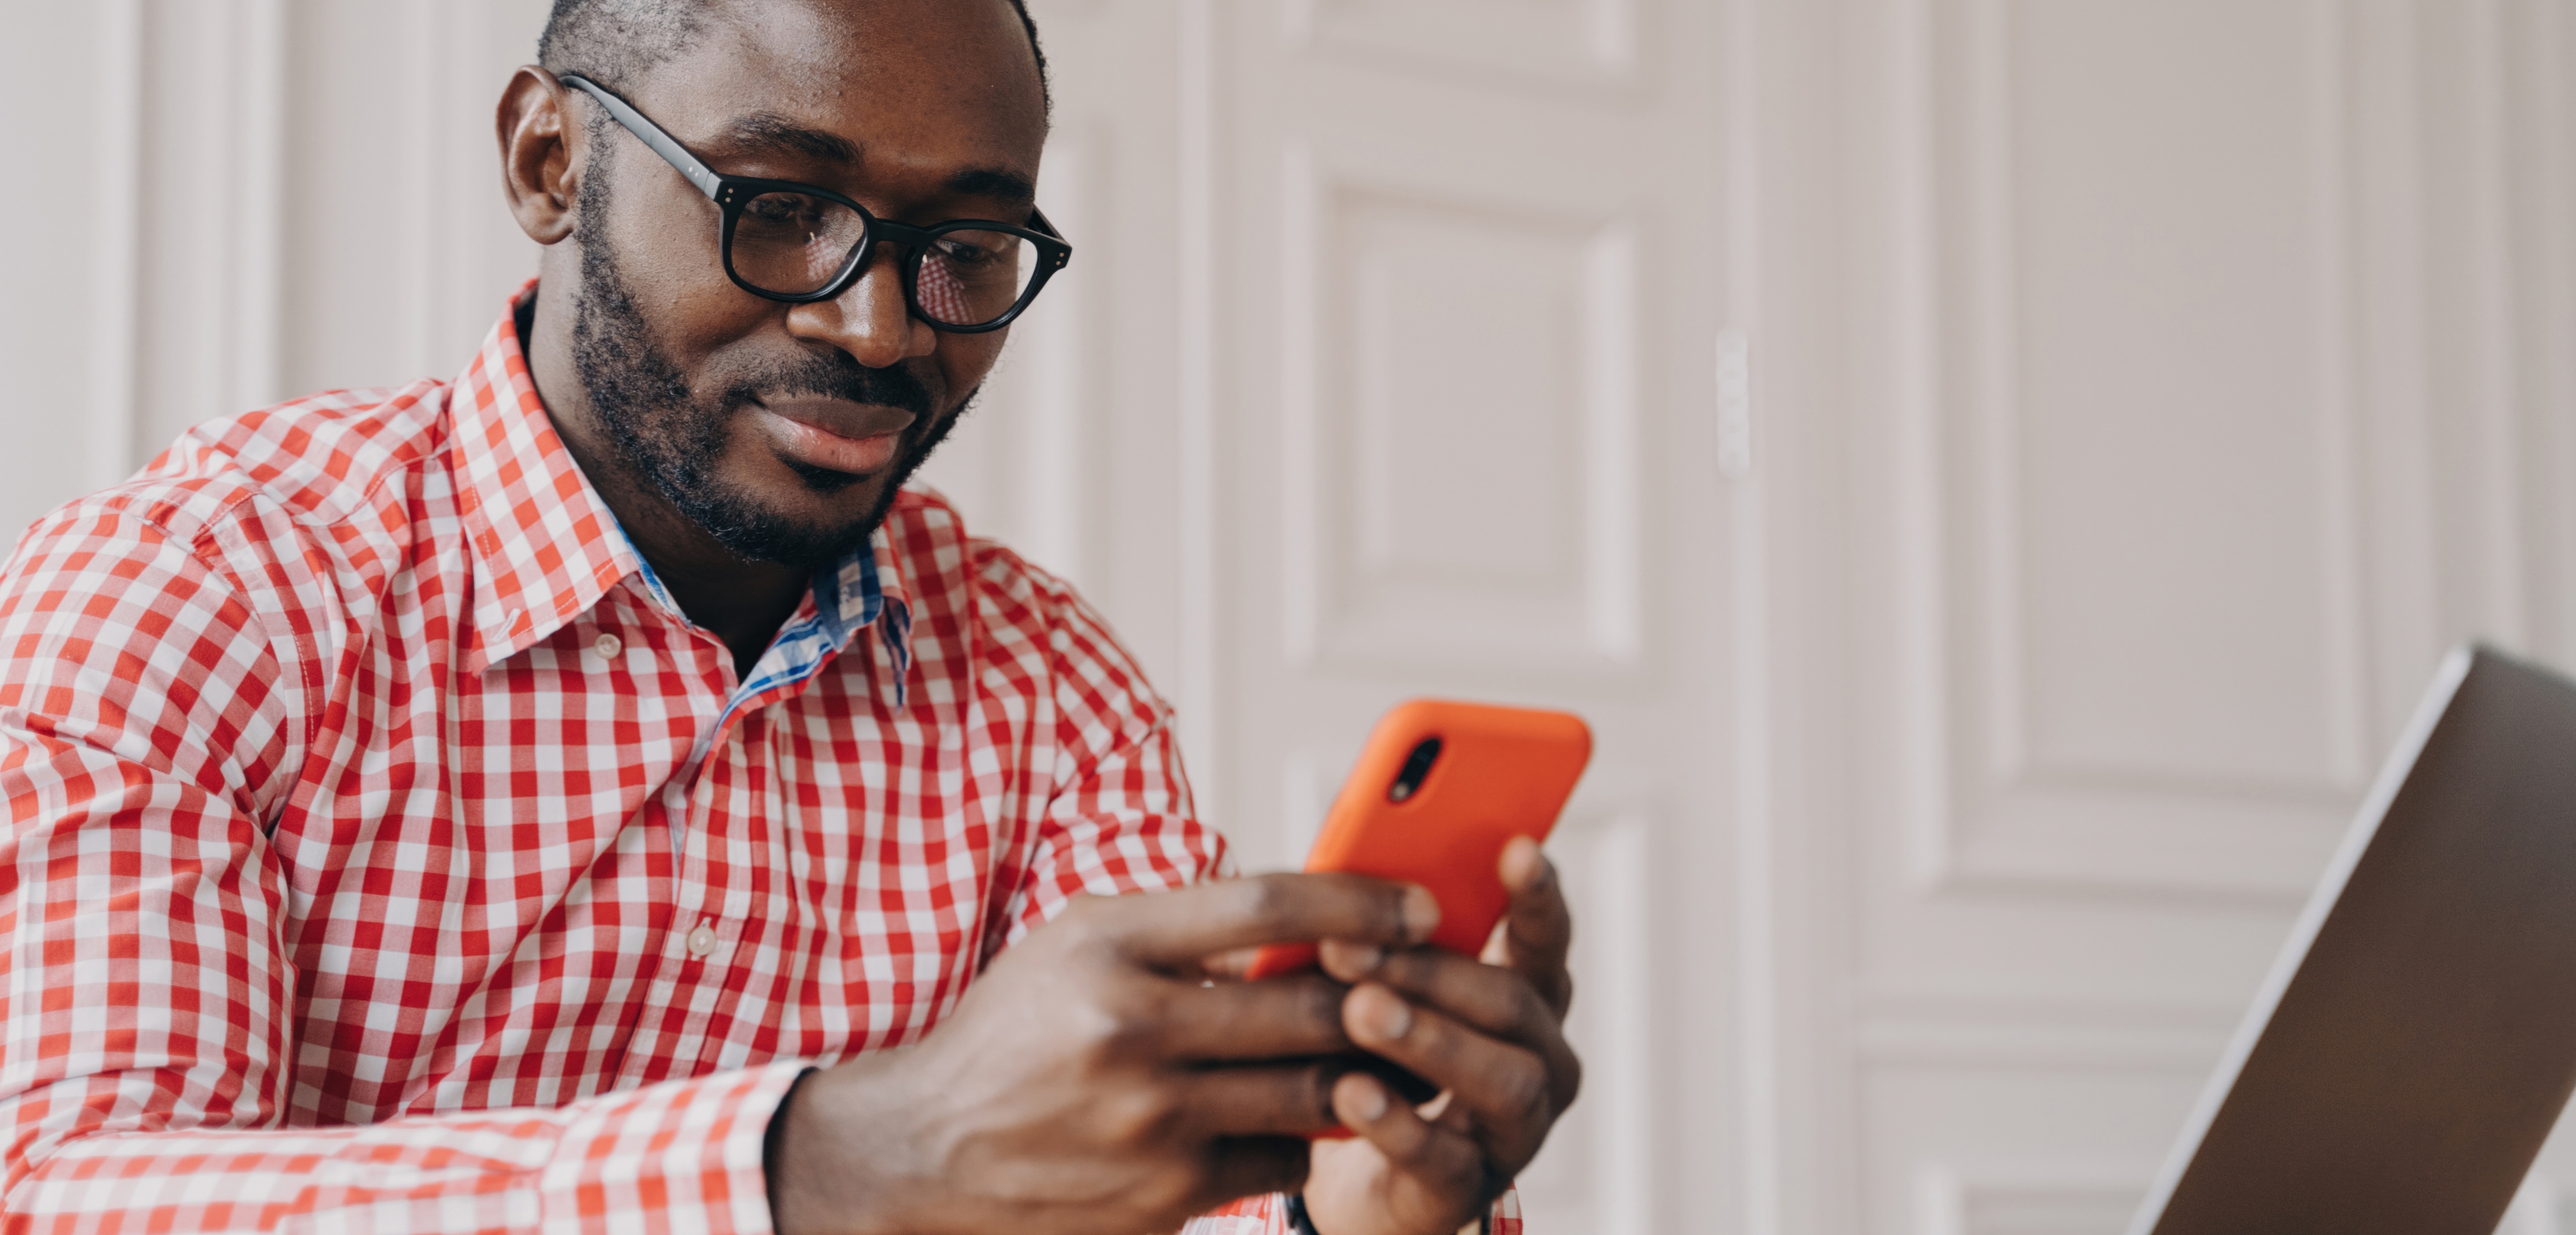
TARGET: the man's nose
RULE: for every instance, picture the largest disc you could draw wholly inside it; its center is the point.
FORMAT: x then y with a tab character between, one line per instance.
869	319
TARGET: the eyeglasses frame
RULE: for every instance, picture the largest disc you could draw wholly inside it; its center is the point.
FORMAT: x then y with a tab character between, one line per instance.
732	193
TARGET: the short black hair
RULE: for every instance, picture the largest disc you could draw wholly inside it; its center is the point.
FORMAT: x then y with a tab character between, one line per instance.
615	42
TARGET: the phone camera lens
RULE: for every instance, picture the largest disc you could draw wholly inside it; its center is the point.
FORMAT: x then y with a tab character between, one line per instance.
1417	765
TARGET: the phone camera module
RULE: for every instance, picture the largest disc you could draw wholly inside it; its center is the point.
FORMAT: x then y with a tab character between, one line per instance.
1417	765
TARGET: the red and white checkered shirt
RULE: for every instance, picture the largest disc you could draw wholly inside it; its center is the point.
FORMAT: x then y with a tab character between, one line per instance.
387	852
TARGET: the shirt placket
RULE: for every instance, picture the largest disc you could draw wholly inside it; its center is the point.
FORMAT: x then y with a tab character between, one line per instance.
703	936
718	836
706	936
699	941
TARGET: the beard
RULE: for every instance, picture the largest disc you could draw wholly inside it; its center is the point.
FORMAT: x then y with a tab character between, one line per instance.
673	436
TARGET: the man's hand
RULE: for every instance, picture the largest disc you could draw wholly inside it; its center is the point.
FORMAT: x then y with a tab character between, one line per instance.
1093	1080
1486	1033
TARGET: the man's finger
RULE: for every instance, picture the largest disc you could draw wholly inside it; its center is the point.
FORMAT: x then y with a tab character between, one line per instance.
1412	1145
1183	928
1278	1100
1538	928
1282	1018
1491	999
1511	1090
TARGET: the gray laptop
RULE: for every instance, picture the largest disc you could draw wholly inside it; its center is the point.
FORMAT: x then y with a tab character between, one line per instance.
2417	1038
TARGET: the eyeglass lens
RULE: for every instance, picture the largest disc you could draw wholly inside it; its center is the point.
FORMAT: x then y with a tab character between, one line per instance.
794	243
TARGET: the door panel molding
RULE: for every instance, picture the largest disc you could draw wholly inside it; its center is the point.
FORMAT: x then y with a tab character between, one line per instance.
1579	42
2027	1198
1394	556
2015	779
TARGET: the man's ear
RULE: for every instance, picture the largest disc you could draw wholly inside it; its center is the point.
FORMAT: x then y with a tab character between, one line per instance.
540	154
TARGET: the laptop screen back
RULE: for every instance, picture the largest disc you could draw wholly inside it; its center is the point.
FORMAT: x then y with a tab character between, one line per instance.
2417	1039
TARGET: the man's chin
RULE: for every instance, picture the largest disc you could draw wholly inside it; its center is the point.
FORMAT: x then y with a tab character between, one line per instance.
806	530
802	549
800	514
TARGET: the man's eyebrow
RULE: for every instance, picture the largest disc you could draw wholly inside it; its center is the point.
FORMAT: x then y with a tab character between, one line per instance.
769	131
993	182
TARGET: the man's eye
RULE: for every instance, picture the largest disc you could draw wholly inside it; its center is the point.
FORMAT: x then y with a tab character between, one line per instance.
978	250
792	212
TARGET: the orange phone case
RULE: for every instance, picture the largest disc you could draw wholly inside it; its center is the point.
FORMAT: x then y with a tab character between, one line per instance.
1501	772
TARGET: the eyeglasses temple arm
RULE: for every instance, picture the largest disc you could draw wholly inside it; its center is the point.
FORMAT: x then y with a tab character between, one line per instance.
650	134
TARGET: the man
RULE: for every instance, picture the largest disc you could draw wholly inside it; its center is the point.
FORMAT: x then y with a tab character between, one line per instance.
594	793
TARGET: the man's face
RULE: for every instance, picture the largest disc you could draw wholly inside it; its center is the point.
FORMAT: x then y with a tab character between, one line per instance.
784	430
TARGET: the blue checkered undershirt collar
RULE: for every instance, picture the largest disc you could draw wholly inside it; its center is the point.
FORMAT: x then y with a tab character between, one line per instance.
848	597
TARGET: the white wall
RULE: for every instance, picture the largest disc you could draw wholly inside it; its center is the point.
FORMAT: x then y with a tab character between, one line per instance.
2172	381
247	200
64	304
2141	394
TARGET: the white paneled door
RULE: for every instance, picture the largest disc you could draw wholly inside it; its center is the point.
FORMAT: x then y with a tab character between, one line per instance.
1471	264
2190	378
1437	322
1995	472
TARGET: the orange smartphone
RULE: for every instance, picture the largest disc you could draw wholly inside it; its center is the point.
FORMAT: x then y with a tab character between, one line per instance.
1439	790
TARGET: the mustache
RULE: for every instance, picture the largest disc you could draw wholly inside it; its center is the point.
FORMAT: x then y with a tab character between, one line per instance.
836	376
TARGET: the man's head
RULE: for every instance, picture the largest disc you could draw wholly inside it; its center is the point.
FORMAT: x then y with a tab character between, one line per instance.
614	42
779	431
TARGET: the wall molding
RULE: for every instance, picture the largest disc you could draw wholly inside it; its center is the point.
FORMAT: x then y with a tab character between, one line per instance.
1953	1028
1198	691
1986	812
2026	1197
2537	58
115	315
1328	564
211	239
1590	44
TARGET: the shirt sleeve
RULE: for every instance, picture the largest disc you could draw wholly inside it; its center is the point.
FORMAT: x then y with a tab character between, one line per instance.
152	697
1116	815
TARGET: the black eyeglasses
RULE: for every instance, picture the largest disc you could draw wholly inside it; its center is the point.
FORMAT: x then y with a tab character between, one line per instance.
798	243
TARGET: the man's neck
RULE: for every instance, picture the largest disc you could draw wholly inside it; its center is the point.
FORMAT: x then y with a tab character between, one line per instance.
741	602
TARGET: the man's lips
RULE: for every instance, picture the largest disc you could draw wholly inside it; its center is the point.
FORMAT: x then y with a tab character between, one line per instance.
836	436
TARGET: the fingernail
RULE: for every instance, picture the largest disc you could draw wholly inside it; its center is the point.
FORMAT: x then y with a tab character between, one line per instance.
1388	1017
1368	1102
1353	960
1421	913
1523	869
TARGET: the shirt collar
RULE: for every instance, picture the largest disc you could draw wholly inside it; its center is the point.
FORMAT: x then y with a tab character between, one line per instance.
544	546
848	596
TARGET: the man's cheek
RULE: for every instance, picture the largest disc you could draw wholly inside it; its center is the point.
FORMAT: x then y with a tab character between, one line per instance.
733	445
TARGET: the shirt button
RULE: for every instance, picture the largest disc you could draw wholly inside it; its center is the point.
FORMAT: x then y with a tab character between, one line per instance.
702	940
607	646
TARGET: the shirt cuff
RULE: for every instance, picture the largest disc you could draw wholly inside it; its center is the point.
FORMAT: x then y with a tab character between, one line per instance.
686	1147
